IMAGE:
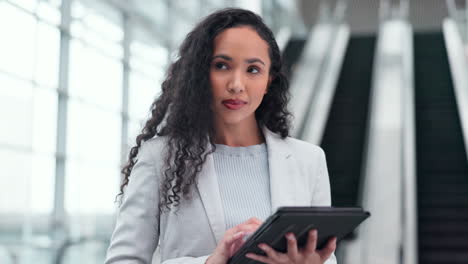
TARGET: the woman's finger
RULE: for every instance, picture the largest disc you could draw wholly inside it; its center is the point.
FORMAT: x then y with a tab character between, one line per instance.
231	239
241	228
292	246
311	241
236	246
271	253
254	220
250	226
258	257
328	249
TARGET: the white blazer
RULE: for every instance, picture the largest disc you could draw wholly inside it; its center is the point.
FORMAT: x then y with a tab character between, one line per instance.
298	177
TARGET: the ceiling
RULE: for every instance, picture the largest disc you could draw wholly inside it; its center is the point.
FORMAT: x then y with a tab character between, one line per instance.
362	15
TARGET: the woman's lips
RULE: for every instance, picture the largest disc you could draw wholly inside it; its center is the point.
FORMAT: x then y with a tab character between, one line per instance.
233	104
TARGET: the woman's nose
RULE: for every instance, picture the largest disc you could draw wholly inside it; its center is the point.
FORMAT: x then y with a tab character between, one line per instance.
236	84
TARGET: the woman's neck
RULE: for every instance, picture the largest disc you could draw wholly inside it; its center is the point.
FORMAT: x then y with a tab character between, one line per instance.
239	135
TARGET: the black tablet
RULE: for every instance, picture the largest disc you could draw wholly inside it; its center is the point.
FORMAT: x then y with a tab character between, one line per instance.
329	222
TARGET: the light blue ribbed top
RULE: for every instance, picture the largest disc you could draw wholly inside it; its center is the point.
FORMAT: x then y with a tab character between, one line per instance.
244	182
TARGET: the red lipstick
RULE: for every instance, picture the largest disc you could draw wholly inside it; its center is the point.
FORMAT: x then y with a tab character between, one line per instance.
234	104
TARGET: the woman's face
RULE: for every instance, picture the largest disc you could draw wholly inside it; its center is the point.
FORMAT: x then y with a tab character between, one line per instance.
239	75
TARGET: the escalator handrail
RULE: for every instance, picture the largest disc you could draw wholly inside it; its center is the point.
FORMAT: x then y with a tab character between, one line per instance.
409	207
458	62
320	104
283	36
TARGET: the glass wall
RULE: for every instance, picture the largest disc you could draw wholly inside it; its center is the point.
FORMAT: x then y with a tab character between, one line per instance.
29	66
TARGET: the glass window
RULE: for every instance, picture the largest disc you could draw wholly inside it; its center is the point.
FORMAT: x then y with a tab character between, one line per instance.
100	28
181	28
90	252
157	11
44	118
147	55
16	171
134	129
95	39
108	29
18	41
93	134
42	184
210	9
56	3
15	112
87	181
95	77
49	12
188	8
29	5
143	91
47	55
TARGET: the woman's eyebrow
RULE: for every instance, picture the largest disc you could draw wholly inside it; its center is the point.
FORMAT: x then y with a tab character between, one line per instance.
226	57
252	60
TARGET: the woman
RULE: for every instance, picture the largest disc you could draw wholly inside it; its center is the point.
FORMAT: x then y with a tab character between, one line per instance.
215	156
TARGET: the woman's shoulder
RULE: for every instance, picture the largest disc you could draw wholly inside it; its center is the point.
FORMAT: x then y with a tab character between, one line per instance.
303	148
153	147
155	142
297	147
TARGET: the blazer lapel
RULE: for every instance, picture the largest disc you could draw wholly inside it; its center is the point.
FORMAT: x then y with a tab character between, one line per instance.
282	168
211	198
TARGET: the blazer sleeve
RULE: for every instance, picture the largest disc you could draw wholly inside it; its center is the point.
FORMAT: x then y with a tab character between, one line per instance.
187	260
321	195
136	232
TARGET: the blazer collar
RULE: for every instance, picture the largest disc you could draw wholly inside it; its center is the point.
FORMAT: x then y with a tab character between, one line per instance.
282	167
281	164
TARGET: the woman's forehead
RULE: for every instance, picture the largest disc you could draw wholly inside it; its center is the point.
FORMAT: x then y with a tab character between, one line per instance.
241	42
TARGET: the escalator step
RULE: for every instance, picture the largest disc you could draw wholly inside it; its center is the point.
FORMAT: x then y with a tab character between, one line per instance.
443	214
437	228
344	134
444	257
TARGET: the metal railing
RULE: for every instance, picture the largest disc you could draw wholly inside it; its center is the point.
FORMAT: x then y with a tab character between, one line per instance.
283	36
320	104
317	71
458	60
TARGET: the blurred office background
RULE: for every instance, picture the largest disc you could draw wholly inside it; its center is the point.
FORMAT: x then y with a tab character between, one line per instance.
382	86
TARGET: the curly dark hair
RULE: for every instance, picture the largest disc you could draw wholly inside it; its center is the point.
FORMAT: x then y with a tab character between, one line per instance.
182	113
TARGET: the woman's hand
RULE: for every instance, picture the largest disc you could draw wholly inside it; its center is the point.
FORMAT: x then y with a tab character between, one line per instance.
308	254
232	241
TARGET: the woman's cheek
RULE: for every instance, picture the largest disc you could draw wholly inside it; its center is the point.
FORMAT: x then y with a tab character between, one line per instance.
216	82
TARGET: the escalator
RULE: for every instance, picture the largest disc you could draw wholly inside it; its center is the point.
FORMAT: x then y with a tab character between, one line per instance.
442	168
344	134
291	54
345	131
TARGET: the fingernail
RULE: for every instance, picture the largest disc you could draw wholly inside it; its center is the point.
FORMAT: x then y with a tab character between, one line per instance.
261	246
290	236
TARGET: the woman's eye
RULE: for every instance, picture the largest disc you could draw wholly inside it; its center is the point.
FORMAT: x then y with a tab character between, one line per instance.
253	70
220	66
